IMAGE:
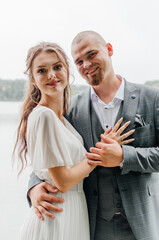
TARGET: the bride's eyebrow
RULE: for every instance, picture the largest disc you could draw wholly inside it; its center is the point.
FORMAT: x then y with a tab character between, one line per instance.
46	66
57	62
40	66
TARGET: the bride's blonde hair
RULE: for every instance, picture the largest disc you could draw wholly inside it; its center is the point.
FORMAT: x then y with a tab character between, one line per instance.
33	95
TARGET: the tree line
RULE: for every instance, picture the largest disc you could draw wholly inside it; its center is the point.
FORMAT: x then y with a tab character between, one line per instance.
13	90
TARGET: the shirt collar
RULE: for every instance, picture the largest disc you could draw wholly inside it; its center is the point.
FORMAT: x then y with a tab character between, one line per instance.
120	93
118	96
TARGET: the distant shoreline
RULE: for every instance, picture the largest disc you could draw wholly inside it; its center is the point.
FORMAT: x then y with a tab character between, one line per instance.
13	90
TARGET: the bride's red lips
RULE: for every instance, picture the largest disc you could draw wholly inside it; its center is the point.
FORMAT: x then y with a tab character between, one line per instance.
53	83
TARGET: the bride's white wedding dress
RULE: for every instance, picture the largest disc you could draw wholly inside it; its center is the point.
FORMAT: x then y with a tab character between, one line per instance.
51	144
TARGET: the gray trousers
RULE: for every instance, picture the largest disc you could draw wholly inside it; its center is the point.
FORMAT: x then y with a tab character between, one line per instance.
115	229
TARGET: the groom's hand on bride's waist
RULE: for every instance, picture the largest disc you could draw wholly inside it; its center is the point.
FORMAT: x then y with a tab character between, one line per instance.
42	201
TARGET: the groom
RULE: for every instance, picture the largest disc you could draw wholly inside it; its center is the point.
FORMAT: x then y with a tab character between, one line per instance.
123	191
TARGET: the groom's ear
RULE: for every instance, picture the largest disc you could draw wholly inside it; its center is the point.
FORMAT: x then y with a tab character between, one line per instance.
110	49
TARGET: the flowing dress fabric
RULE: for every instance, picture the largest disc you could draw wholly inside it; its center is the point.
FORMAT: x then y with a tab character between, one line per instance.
52	144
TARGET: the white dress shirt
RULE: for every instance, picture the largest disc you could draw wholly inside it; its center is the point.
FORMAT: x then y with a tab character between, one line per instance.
107	113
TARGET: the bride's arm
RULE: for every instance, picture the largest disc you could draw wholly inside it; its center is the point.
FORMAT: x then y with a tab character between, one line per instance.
66	178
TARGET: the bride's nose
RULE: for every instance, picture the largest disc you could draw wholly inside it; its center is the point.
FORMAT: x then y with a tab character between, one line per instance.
52	75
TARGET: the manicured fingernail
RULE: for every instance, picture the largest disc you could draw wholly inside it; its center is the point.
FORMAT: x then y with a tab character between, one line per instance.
55	190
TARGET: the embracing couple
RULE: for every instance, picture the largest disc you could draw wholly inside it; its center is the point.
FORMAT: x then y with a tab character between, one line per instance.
107	135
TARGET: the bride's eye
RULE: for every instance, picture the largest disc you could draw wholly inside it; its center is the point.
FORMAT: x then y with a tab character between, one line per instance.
42	70
57	67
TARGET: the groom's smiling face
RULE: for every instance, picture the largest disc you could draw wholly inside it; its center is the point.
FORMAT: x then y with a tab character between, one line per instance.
92	60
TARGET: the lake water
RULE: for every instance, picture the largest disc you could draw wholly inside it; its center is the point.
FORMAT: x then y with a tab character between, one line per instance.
13	203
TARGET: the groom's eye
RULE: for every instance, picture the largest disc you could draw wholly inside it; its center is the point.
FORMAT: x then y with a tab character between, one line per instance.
92	55
79	63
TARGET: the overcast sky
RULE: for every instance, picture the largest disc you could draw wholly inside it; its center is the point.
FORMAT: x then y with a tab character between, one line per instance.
131	26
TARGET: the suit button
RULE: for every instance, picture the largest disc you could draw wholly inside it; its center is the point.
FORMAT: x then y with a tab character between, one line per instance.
133	96
95	193
118	205
116	190
124	190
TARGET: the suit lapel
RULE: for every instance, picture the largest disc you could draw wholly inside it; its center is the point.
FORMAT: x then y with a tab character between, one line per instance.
85	119
129	106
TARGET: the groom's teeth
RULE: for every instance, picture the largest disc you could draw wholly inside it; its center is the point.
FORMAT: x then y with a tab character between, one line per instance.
91	71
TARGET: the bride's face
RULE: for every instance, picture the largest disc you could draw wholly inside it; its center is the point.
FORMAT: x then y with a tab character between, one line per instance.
49	74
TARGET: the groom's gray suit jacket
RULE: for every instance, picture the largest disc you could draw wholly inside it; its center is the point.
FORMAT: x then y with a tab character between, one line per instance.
138	182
